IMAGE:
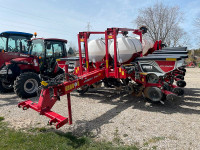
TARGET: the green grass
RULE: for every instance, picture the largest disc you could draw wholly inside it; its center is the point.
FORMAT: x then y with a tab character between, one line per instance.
1	118
43	139
153	140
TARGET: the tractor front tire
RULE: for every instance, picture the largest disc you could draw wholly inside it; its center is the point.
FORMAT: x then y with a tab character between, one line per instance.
26	85
5	88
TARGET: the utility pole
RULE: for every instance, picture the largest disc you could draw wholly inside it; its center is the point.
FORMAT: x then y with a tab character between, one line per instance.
88	27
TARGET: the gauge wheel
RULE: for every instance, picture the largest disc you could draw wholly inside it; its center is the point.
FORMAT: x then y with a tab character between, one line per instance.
152	78
180	77
181	83
153	94
26	85
183	69
179	91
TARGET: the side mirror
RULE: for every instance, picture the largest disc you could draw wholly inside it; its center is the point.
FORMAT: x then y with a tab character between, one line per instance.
48	45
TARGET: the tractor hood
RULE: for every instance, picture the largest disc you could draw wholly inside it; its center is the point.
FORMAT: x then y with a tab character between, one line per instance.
6	57
16	65
22	60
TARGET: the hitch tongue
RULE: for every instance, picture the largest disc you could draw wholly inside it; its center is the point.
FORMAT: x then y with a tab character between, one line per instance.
25	104
56	119
47	99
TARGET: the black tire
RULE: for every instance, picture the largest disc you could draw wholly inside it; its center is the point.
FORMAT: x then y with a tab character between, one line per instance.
183	74
179	91
166	86
171	97
26	85
5	88
82	89
181	83
180	77
153	93
183	69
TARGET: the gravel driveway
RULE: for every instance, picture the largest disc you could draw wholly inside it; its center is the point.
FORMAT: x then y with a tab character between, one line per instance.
106	114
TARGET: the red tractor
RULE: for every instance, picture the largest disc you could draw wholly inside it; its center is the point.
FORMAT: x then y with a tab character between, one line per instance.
12	45
24	73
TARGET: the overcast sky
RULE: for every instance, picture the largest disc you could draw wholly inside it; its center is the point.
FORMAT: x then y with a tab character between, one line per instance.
65	18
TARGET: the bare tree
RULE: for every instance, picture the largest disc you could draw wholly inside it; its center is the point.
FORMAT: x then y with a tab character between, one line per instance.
177	37
162	22
197	23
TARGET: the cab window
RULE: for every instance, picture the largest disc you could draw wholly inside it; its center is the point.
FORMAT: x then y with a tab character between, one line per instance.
14	44
56	50
37	48
2	43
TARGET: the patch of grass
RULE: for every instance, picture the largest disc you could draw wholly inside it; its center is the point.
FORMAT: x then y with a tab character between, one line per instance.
153	140
117	140
1	118
154	147
156	139
42	129
50	139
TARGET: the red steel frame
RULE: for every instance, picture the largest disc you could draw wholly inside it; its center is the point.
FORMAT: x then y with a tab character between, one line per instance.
50	94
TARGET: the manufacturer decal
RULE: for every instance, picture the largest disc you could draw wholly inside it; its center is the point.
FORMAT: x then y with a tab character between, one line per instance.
24	55
92	78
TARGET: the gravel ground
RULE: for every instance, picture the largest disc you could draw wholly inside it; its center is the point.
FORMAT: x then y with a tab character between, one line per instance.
108	115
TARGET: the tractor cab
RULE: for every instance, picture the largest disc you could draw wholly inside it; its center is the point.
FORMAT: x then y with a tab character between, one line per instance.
47	51
12	44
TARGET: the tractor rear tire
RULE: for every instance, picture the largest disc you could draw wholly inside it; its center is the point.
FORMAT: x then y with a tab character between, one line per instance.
5	88
26	85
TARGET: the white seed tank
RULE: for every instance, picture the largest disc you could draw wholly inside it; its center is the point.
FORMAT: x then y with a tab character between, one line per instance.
146	45
96	50
126	48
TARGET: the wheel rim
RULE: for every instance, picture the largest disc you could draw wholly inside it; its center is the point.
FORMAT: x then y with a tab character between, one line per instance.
30	86
153	93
